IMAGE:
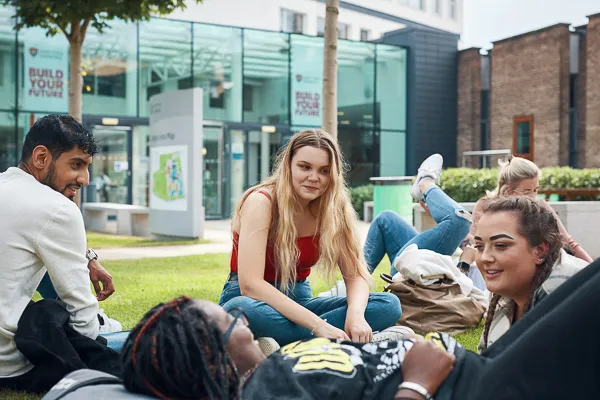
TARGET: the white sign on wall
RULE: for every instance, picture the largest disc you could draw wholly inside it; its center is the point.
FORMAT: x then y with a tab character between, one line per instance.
46	77
307	86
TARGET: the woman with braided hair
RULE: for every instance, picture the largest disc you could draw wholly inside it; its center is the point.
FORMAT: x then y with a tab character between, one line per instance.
520	255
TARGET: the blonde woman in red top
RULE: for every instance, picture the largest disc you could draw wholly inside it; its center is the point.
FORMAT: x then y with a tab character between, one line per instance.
299	217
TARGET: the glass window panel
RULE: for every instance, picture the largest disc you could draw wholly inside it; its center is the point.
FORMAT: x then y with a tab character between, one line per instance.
307	80
10	141
165	51
356	81
218	70
391	87
392	150
109	69
7	59
292	21
360	153
523	137
266	70
43	72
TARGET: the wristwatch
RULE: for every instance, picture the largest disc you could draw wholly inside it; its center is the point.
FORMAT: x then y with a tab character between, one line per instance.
90	254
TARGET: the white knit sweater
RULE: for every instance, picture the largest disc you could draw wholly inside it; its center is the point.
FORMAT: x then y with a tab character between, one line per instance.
40	229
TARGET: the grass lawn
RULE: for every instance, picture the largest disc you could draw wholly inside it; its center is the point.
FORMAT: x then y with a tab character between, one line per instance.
141	284
104	241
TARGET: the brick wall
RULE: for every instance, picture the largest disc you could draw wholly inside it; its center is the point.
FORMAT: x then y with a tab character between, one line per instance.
592	102
530	76
581	103
469	104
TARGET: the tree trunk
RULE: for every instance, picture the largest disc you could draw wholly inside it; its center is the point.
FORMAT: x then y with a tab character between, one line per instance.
75	78
75	81
330	112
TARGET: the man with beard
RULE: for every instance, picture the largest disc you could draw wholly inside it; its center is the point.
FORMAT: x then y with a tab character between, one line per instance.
42	231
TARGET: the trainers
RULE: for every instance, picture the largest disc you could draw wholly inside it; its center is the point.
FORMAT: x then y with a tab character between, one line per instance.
392	333
108	325
268	345
430	168
338	290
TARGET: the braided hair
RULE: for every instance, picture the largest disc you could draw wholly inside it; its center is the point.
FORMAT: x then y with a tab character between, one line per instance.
177	352
539	225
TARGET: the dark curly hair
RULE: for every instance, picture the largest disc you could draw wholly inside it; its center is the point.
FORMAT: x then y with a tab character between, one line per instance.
177	352
539	225
59	134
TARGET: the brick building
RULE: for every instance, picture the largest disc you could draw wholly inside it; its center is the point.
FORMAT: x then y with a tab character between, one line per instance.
536	94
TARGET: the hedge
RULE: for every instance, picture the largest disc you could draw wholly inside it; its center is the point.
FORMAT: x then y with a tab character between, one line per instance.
468	185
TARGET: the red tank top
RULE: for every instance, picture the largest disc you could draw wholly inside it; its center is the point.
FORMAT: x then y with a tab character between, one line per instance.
308	246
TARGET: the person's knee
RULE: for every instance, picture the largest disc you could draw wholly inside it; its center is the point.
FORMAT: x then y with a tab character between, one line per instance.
461	221
388	306
247	304
385	217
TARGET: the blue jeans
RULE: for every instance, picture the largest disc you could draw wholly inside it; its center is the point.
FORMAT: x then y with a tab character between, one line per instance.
115	340
383	310
390	234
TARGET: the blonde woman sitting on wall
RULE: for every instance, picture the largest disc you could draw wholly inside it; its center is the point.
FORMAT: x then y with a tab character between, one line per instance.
520	177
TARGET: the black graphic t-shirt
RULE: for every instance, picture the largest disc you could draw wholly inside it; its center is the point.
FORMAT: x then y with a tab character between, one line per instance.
324	369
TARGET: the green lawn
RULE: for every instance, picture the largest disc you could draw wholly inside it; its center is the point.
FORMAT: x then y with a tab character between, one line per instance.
141	284
104	241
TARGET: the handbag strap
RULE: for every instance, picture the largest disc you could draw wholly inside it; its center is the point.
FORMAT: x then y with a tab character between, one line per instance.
387	278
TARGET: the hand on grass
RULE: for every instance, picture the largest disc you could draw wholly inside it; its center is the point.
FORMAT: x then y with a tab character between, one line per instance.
101	280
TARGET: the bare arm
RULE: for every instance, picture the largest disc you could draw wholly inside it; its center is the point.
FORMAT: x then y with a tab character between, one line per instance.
575	247
356	326
252	248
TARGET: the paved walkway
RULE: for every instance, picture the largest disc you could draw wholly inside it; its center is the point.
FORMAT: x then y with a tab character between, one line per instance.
218	232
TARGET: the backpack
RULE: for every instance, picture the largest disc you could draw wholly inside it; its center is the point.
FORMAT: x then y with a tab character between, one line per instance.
440	307
85	384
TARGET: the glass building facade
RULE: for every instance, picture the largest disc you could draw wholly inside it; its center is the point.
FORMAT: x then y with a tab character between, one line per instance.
259	88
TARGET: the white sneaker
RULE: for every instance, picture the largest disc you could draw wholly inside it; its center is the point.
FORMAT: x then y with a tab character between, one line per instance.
108	325
268	345
392	333
338	290
430	168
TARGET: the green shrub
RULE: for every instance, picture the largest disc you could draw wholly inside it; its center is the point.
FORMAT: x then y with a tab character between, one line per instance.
469	185
359	195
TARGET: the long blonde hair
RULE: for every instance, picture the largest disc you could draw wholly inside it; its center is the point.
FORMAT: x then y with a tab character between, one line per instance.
513	171
336	219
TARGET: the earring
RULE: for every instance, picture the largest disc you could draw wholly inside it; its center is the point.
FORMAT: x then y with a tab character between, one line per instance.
540	260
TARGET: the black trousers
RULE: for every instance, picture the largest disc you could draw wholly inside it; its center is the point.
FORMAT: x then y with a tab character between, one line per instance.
553	352
55	349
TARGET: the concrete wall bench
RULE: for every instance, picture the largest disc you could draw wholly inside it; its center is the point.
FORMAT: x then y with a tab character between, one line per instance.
118	219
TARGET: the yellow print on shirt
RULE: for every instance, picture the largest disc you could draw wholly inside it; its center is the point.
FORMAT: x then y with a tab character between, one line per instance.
320	355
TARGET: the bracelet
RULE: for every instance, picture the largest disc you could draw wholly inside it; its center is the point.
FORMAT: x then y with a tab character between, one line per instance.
415	387
317	326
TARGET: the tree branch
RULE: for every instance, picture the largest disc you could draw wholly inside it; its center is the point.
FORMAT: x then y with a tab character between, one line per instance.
62	28
84	27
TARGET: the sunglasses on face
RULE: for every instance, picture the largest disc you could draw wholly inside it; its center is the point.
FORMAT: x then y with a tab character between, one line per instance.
238	315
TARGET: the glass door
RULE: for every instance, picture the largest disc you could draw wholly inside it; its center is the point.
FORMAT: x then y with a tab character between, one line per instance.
212	167
262	150
111	169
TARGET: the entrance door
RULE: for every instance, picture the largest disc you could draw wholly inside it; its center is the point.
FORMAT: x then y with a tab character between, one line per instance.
110	177
251	158
212	167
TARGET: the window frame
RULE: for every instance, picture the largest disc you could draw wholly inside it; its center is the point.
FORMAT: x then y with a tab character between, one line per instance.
283	13
516	121
453	10
365	35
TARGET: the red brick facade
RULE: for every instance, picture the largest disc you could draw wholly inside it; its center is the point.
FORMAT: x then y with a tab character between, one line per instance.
530	76
469	102
592	93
